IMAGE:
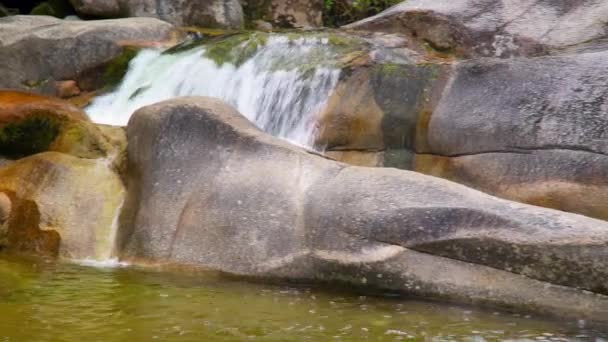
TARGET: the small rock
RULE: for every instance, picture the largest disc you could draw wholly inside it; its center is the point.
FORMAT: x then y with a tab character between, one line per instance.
262	25
66	89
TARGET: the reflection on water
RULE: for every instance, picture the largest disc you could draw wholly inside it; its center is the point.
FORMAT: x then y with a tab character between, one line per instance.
44	301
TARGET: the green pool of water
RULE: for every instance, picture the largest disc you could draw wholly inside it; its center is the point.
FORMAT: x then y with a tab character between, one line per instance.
48	301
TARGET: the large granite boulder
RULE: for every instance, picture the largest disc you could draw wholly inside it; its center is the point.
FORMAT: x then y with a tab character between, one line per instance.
530	129
205	13
60	205
497	28
37	51
207	188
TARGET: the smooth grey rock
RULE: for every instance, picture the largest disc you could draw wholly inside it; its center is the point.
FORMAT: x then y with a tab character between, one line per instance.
528	129
498	28
36	51
524	104
205	13
568	180
207	188
98	8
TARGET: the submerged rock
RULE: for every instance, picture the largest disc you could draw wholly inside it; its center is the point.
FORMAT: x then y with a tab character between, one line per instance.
497	28
37	51
207	188
530	129
205	13
61	205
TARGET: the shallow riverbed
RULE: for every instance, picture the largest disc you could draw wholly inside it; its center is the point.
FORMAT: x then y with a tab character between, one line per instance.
46	301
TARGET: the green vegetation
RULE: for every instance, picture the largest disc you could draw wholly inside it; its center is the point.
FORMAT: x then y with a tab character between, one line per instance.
342	12
32	135
54	8
4	11
235	49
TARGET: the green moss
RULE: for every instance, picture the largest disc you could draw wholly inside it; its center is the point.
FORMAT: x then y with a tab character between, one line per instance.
205	35
35	83
117	67
391	69
32	135
338	51
81	139
236	49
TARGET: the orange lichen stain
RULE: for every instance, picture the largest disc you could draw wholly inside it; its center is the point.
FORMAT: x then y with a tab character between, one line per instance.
17	105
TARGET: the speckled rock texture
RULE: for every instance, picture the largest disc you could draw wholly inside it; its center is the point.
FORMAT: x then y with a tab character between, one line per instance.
37	51
286	13
207	188
204	13
528	129
61	205
498	28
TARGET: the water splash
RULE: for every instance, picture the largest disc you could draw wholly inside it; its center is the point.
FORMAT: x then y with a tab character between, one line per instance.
280	87
106	263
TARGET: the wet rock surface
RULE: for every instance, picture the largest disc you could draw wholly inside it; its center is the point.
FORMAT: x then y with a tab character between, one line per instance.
250	204
61	206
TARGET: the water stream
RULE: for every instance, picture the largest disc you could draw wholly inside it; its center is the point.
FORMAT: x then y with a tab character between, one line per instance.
271	80
49	301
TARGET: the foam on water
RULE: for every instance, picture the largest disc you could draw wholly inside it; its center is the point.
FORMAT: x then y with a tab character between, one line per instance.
270	88
107	263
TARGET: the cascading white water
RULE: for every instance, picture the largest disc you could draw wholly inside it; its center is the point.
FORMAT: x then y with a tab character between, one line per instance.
271	88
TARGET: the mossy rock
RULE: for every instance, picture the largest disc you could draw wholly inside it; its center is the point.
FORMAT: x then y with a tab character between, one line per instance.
229	47
29	136
335	49
116	69
236	49
82	139
30	124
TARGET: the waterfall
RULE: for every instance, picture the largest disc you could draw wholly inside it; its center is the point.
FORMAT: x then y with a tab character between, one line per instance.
280	86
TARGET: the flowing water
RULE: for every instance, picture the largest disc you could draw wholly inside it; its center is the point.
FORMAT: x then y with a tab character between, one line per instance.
47	301
277	82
